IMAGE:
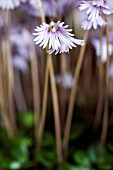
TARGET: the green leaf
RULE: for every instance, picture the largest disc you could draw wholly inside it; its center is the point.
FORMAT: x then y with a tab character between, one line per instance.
47	158
27	119
48	140
77	131
106	161
65	166
93	154
81	158
15	165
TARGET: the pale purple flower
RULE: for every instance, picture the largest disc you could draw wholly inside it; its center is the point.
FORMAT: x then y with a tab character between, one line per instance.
10	4
20	63
20	37
88	24
94	9
111	70
96	43
65	80
56	36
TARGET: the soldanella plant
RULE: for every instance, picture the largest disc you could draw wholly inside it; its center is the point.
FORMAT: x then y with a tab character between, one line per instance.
49	85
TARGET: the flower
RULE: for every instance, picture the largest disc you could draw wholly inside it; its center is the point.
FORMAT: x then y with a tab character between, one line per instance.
111	70
96	43
10	4
20	63
20	38
94	9
87	24
65	80
56	36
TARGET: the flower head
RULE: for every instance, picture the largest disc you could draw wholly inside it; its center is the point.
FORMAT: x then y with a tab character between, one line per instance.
96	43
65	80
10	4
56	36
20	63
93	10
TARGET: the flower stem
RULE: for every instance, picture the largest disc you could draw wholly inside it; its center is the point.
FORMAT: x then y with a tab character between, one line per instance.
100	87
55	99
10	77
3	110
36	88
105	115
72	96
62	91
56	112
18	93
40	129
41	11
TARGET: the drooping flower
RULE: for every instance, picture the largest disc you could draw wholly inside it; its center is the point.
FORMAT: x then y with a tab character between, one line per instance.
94	9
56	36
10	4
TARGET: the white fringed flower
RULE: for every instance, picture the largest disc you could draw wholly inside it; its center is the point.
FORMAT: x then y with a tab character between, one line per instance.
9	4
56	36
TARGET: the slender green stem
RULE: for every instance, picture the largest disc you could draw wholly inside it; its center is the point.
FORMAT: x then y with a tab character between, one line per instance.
105	115
72	96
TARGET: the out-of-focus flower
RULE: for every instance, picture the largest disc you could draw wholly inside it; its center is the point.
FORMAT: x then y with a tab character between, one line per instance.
87	24
94	9
20	37
49	8
56	36
96	43
65	81
111	70
10	4
20	63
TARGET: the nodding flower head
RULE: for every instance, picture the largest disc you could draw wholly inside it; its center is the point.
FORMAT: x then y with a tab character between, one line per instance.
56	36
94	10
